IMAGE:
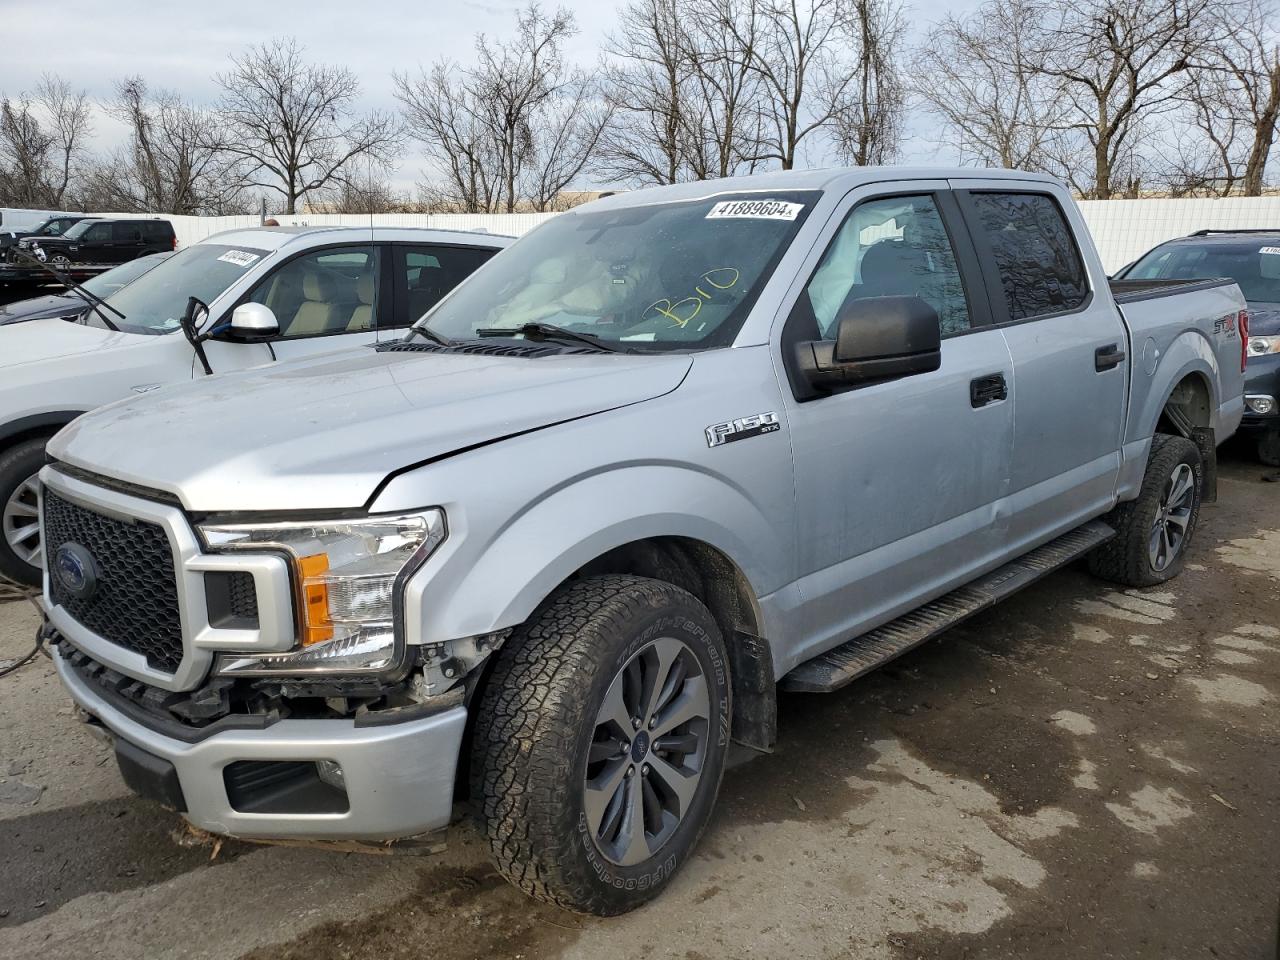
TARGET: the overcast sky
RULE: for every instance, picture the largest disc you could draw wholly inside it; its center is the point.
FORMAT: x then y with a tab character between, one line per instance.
180	46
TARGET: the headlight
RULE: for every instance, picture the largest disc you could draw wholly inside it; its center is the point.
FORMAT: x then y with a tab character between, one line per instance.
347	577
1261	346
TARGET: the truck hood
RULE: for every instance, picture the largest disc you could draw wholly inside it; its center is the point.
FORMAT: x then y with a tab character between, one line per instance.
324	432
49	337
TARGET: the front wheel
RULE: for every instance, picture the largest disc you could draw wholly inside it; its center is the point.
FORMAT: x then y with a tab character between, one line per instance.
1154	531
1269	448
21	552
600	742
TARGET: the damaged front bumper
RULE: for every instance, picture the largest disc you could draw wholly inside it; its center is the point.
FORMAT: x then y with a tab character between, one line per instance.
320	779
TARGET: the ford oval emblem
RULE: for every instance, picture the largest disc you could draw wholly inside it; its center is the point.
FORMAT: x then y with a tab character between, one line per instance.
76	570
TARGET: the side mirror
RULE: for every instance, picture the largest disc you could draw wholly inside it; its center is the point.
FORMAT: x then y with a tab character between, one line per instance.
253	321
877	338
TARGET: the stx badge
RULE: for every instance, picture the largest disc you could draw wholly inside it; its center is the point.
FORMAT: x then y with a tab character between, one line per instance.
719	434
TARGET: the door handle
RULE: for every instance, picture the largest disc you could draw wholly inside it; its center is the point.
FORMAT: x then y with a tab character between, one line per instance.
1104	358
988	389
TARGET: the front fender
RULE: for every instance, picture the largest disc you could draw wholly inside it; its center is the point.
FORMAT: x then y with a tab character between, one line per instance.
484	580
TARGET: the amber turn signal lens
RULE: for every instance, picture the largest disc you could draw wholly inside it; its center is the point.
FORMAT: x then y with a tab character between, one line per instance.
316	627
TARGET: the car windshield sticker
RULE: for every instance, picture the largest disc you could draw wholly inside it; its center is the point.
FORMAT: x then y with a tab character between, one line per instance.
755	210
1274	251
239	257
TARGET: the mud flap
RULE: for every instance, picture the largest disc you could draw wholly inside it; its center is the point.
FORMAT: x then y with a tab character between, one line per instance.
755	700
1203	438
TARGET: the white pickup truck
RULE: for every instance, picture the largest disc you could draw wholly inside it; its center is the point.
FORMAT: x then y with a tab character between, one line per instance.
325	288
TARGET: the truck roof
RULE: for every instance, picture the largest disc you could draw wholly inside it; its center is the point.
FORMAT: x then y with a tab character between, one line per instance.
829	178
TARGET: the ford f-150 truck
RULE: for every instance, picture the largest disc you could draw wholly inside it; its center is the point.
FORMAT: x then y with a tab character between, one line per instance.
669	453
264	294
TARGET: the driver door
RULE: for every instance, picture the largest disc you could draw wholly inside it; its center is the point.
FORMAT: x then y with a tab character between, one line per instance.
324	299
898	483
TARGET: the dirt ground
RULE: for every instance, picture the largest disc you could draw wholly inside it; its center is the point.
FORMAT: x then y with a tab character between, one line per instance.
1081	773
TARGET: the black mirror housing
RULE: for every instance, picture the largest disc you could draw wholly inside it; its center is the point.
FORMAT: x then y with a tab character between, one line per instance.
877	338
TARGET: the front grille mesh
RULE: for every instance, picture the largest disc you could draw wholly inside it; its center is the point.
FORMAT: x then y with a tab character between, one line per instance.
135	605
242	597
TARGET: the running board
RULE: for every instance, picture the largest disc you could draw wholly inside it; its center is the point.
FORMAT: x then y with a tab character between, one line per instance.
845	663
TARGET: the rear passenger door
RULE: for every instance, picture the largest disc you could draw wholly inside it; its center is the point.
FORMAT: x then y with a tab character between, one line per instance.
897	482
1069	349
423	275
126	242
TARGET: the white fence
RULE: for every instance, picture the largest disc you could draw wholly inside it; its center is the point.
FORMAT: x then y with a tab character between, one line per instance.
1122	229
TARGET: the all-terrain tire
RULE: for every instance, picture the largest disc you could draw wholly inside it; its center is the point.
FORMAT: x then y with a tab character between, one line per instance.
1126	558
534	729
18	464
1269	448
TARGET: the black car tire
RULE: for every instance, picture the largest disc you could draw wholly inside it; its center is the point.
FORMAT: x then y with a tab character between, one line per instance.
1269	447
1126	558
537	733
17	465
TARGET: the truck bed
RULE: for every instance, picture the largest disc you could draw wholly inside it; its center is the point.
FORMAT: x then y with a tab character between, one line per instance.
1130	291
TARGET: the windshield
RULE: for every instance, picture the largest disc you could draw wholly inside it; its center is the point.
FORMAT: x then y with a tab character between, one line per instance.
1253	264
109	281
78	229
670	276
155	301
51	228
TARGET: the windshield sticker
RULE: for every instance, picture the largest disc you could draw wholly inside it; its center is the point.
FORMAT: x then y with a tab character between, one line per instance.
1274	251
755	210
239	257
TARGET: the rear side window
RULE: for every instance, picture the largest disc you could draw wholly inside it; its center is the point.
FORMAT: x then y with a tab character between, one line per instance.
127	232
425	274
1040	267
156	230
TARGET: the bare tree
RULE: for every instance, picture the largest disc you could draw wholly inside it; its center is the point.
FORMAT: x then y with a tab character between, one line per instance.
43	143
364	191
514	128
799	51
867	126
176	159
294	125
1118	64
977	74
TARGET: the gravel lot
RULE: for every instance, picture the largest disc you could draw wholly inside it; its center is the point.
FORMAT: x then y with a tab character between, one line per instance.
1082	772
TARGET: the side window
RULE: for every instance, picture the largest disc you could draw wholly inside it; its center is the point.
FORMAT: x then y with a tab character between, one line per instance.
98	233
1040	267
425	274
126	233
334	290
895	247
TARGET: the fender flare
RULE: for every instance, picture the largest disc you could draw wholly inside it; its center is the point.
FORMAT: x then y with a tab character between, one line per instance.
56	419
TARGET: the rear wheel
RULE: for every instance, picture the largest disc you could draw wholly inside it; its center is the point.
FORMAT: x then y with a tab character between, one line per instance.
21	552
1154	531
600	742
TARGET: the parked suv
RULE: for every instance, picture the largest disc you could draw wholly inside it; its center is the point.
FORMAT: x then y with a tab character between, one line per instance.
304	291
103	241
1252	259
50	227
669	453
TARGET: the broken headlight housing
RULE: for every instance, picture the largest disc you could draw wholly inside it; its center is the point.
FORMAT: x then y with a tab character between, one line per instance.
348	578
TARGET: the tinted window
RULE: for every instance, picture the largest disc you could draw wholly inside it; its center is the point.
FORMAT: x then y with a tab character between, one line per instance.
657	276
425	274
328	291
1040	267
1253	264
127	232
155	230
97	233
895	247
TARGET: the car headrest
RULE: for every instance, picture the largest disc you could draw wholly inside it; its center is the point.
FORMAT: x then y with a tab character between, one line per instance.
316	286
365	287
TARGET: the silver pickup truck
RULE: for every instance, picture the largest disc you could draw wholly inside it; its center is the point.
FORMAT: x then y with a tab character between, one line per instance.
669	453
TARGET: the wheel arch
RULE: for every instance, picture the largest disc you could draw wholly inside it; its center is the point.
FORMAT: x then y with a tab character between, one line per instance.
35	425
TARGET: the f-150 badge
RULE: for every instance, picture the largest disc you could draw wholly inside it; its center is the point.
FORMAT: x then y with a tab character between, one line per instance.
719	434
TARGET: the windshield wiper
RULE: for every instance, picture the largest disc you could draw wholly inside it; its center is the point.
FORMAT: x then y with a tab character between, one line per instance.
428	334
549	331
95	302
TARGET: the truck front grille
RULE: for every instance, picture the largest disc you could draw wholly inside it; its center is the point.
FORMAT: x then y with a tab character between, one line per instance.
133	600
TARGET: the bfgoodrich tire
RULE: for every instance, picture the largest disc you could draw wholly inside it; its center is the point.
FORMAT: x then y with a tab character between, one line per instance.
1154	531
20	550
600	742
